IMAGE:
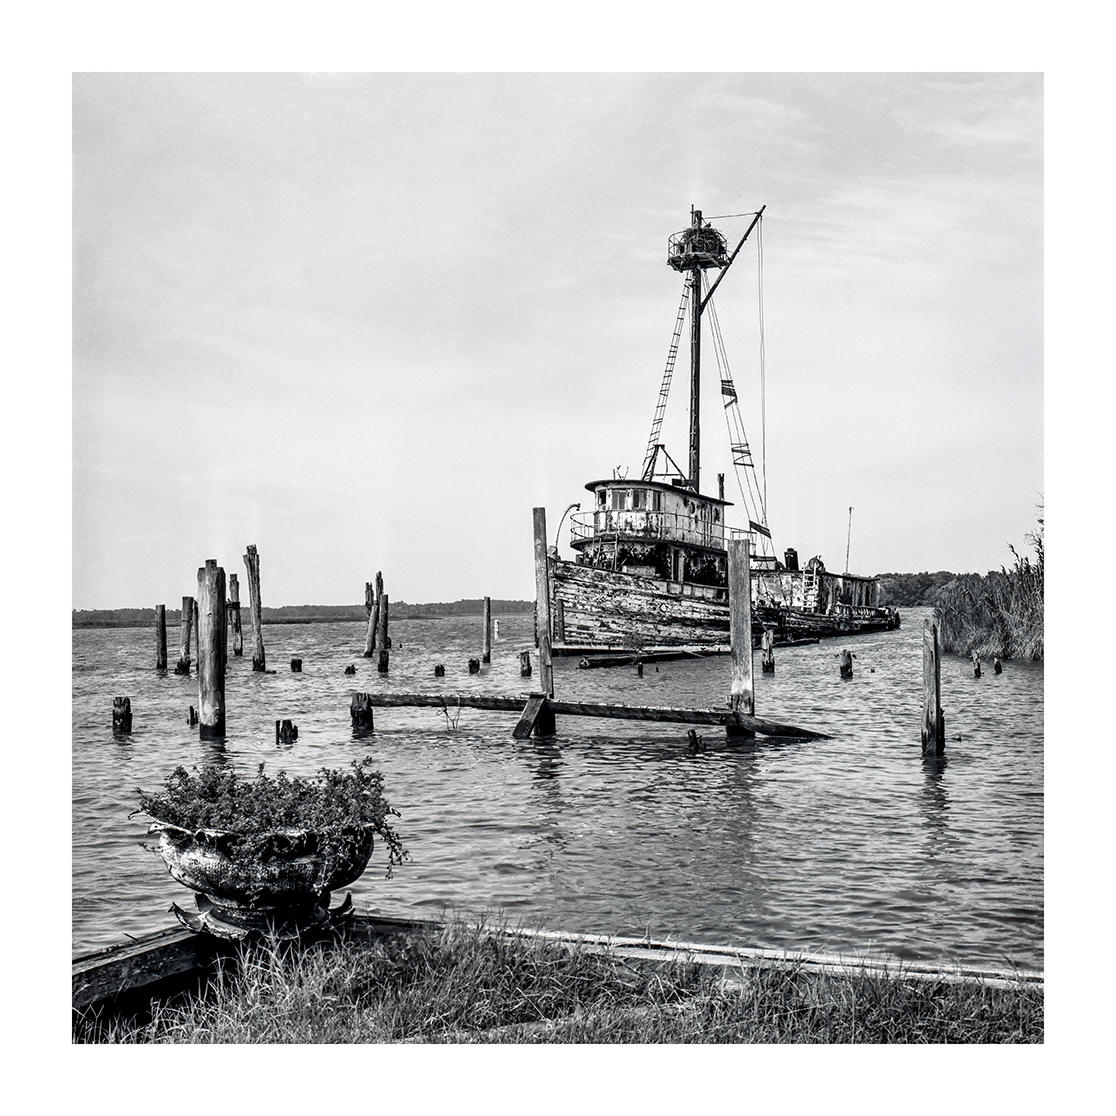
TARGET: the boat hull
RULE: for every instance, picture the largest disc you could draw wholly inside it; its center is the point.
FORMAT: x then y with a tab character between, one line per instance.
601	610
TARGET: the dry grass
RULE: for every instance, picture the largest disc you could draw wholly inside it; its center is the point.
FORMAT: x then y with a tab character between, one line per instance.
466	985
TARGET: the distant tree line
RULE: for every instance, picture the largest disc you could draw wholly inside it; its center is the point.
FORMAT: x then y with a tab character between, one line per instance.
907	589
303	614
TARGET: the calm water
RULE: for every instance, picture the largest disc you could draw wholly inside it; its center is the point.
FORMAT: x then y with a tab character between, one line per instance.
847	844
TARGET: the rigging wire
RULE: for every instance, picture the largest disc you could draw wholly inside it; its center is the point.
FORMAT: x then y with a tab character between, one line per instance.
762	368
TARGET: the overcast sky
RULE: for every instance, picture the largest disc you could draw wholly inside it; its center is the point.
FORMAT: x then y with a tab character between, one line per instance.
368	322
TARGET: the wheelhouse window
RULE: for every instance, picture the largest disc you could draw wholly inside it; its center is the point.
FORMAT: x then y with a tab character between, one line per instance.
639	499
619	499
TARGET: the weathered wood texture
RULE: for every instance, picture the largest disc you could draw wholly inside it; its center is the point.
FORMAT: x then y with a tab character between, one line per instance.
360	709
234	616
933	718
383	662
187	636
121	714
160	637
383	642
742	698
370	608
486	653
109	974
846	664
212	649
524	664
767	643
600	709
252	563
296	666
542	600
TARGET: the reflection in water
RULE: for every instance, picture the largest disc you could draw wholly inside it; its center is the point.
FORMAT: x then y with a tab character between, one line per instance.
612	827
935	802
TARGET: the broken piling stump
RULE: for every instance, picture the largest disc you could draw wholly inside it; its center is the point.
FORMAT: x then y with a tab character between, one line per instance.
192	717
639	669
121	714
212	648
439	671
286	731
767	660
474	666
524	664
186	628
997	666
846	664
252	562
351	668
296	666
383	641
486	650
160	637
360	709
976	665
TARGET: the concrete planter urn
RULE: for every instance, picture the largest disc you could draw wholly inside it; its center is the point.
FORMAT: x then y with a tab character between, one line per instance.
275	883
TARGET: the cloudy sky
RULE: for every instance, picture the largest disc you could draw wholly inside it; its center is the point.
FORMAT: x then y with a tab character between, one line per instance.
368	322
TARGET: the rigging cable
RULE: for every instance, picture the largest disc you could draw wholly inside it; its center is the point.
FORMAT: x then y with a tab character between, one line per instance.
763	369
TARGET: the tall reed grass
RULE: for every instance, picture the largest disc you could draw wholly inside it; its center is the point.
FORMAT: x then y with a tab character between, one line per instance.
1000	613
463	984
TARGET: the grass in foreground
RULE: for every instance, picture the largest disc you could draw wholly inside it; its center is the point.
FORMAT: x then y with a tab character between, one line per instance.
466	985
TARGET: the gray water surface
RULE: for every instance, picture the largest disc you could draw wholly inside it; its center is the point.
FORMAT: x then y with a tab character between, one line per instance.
851	844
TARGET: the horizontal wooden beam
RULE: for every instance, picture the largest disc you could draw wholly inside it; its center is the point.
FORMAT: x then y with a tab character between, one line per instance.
119	970
602	709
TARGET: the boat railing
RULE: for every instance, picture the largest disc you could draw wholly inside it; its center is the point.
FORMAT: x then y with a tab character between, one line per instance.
646	525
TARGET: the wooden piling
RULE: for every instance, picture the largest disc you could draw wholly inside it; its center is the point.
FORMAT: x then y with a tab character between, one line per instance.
252	562
382	662
486	654
474	666
186	628
351	668
524	664
286	731
370	609
121	714
976	665
360	709
160	637
767	642
382	640
846	665
639	670
192	717
742	699
933	718
212	649
234	616
542	602
197	637
997	666
296	666
439	671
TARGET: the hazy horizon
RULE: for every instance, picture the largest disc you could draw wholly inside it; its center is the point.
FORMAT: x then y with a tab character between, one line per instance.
367	322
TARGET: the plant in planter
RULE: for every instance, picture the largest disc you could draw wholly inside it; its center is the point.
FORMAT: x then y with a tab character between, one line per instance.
265	853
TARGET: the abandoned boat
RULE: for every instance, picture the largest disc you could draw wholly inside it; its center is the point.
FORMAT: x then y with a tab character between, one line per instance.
651	568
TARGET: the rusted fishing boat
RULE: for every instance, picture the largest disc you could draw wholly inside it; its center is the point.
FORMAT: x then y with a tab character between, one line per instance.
650	569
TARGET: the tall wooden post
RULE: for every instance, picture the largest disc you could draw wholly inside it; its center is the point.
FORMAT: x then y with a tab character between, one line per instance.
933	719
187	626
234	615
160	637
252	562
486	656
742	692
370	610
212	649
197	648
382	641
542	603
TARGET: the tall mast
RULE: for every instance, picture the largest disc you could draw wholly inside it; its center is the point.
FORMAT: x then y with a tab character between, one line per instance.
695	363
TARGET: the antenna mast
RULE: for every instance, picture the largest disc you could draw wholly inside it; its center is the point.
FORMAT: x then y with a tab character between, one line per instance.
848	542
